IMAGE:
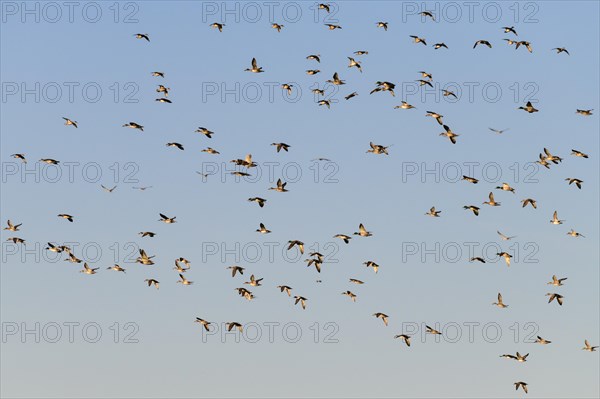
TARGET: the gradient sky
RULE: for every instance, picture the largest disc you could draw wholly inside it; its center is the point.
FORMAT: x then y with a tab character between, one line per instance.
386	193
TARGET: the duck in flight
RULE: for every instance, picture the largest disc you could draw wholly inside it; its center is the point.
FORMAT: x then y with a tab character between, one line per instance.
427	14
579	154
297	243
336	80
529	108
378	149
167	219
175	145
203	323
372	264
572	180
300	299
280	187
405	338
11	226
350	294
258	200
255	68
470	179
522	385
561	50
383	25
217	26
382	316
262	229
236	269
384	86
449	134
87	270
573	233
108	190
116	268
529	201
281	146
362	231
506	257
144	259
557	282
525	44
234	324
438	46
417	39
542	341
436	116
555	219
20	156
430	330
484	42
286	289
144	36
472	208
491	201
70	122
404	105
354	63
343	237
500	304
66	216
589	347
152	282
133	125
553	296
503	237
254	282
509	29
147	234
506	187
277	26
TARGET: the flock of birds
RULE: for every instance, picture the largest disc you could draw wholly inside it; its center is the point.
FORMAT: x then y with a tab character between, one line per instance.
182	266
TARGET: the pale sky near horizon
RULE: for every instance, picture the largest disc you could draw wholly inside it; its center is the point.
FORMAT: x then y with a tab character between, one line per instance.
81	60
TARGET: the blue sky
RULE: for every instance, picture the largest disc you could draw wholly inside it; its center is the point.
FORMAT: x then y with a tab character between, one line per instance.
425	274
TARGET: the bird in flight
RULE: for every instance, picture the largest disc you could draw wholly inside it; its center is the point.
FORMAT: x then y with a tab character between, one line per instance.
167	219
109	190
405	338
382	316
553	296
417	39
484	42
362	231
505	238
522	385
561	50
557	282
255	68
500	304
144	36
70	122
529	108
589	347
11	226
498	131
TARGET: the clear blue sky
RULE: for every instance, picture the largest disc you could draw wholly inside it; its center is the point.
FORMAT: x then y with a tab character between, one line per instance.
422	279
